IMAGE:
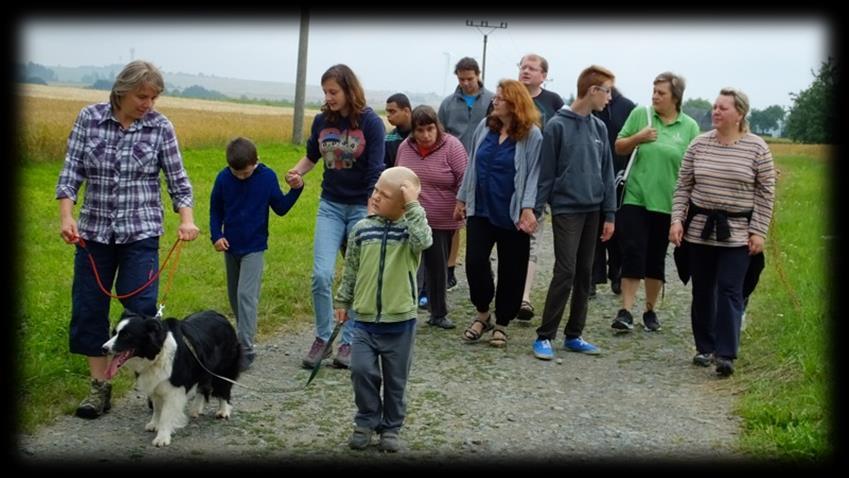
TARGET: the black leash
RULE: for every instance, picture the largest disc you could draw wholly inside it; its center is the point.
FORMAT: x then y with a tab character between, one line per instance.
295	388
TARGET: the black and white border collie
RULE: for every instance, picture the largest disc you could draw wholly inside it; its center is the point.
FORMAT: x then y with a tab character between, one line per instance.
168	372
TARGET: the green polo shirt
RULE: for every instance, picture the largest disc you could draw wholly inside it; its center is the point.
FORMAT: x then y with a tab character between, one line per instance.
652	179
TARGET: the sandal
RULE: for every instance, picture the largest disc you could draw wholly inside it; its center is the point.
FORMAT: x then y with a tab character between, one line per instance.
526	311
499	340
471	335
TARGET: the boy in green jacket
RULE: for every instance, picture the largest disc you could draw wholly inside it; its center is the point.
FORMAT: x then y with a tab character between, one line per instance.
379	286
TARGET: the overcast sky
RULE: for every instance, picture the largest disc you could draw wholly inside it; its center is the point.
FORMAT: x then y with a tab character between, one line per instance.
767	59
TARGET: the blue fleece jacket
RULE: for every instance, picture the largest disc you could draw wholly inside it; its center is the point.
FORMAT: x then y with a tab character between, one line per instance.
353	157
238	209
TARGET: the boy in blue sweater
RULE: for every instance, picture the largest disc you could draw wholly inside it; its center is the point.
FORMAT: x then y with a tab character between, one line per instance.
238	223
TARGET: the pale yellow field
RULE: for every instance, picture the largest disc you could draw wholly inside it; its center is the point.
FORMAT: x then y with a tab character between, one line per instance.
46	114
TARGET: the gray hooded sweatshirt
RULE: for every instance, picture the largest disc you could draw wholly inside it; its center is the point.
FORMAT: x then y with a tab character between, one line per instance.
576	173
460	120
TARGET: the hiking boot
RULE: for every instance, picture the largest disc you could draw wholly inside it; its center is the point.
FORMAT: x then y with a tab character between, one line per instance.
650	321
98	401
314	355
624	321
442	322
703	360
526	311
389	442
580	345
724	366
543	350
361	438
343	356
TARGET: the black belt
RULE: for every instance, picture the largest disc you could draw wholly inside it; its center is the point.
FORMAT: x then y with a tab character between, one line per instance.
716	219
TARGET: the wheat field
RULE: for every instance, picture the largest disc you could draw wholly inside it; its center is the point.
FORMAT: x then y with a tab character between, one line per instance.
46	114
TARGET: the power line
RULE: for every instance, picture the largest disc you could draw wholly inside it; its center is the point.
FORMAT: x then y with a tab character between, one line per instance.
484	24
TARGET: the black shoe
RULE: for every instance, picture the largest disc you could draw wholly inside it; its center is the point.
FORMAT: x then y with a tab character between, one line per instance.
451	284
724	366
616	286
624	321
592	291
703	360
650	321
442	322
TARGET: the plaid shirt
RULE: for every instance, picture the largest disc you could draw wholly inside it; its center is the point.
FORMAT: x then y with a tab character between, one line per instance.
121	167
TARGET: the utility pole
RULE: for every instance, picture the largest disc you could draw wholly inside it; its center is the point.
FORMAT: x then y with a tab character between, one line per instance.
484	24
301	79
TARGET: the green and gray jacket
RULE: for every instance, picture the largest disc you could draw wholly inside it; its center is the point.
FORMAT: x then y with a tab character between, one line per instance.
379	281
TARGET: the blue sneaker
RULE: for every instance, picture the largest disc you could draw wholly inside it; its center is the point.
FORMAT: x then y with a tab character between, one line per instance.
543	350
423	302
580	345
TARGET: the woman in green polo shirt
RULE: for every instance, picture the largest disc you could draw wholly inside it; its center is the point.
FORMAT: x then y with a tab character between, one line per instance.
662	132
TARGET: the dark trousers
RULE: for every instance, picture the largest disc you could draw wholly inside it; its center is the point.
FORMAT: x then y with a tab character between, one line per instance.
717	307
607	263
133	264
513	251
381	361
435	262
574	249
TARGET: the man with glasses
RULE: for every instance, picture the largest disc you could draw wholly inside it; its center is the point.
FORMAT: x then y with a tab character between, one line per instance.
533	71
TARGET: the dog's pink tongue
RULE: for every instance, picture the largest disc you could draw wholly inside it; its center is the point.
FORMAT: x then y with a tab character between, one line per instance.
115	362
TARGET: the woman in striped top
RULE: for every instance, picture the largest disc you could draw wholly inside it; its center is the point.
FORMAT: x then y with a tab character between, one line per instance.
724	199
439	160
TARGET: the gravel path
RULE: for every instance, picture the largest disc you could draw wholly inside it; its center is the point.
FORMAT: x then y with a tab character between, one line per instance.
641	400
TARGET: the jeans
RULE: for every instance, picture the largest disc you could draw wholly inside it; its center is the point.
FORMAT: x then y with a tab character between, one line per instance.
332	226
133	264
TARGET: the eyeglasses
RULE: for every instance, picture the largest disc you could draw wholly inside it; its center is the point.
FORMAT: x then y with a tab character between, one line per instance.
530	68
605	89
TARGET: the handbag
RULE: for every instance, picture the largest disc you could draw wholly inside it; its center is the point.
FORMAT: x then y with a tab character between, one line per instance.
622	176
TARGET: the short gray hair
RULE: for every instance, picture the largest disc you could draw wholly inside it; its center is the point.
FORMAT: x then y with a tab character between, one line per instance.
741	103
136	74
676	86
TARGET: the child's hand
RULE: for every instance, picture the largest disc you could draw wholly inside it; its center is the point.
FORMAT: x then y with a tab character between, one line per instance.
221	245
294	179
341	315
410	191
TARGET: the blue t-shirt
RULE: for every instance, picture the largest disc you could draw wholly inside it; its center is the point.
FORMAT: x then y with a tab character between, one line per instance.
496	169
353	157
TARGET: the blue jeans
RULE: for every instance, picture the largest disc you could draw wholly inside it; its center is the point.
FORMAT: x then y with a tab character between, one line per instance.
133	263
332	226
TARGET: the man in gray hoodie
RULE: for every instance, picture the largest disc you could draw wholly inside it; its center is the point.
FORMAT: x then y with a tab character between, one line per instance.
576	180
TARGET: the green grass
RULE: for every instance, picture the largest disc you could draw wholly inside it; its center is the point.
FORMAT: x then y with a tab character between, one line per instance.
52	381
785	349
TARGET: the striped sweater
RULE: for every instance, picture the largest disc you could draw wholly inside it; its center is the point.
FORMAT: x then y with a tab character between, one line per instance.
736	178
441	173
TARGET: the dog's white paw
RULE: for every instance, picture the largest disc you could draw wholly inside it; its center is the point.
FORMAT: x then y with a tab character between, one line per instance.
151	426
224	411
162	439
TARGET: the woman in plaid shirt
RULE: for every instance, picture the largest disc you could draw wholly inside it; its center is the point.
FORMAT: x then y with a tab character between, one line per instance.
118	148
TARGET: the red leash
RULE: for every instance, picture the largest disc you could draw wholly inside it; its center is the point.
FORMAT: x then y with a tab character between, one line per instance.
130	294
